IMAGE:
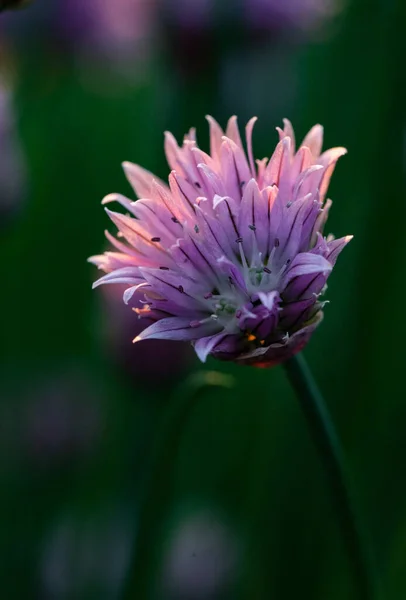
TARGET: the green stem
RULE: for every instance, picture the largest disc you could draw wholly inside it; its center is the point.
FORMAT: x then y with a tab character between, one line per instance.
328	445
157	488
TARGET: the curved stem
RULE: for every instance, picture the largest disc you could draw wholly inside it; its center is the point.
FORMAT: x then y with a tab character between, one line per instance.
158	485
328	445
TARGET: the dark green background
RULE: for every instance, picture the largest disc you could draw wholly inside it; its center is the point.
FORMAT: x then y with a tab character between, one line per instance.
245	471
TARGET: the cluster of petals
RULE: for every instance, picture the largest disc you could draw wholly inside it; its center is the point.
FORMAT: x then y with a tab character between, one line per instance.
230	255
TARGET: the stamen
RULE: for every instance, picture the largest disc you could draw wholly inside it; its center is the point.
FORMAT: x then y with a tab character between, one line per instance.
271	255
242	254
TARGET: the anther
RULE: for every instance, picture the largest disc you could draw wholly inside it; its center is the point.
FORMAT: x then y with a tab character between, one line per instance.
196	228
266	270
252	227
155	239
276	242
239	240
164	268
180	288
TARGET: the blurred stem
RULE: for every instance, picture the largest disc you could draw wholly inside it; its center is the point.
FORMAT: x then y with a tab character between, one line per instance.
142	569
328	445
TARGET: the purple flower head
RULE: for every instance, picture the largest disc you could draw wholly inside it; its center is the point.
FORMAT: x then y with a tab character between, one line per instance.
231	255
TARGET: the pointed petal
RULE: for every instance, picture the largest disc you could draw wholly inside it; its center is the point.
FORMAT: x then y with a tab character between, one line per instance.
184	197
234	168
176	287
320	221
233	132
233	273
175	328
129	292
123	200
226	213
173	152
314	140
128	275
306	277
277	170
289	132
329	158
336	246
204	346
253	220
140	179
248	135
306	263
216	135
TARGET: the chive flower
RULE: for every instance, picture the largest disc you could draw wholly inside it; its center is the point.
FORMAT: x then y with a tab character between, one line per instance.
230	255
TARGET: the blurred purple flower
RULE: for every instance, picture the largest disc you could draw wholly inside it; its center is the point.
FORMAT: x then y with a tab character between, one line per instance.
189	14
62	420
50	420
117	33
13	176
201	559
289	14
157	362
248	15
231	255
81	554
116	30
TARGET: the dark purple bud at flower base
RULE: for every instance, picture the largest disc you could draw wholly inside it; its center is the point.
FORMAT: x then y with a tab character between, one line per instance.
241	263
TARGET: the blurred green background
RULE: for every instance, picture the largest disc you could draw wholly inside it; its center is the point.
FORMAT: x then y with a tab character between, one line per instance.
242	509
